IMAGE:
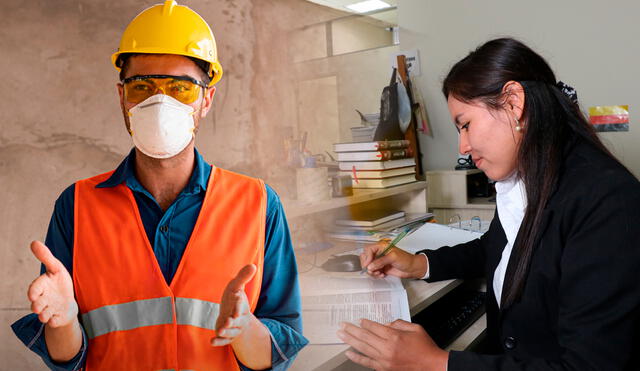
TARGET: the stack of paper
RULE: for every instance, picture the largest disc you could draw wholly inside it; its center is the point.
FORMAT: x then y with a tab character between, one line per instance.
432	236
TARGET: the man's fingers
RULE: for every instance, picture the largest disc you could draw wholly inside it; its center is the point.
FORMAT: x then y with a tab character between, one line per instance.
245	275
42	253
229	332
36	289
242	305
222	323
39	304
218	342
45	315
55	321
403	325
362	360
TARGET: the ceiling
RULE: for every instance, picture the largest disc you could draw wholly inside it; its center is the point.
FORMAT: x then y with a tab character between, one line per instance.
388	16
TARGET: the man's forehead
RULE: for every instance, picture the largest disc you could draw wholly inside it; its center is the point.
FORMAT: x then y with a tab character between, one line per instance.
162	64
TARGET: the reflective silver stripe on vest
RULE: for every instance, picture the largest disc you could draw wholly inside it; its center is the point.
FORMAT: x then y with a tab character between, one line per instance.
198	313
150	312
127	316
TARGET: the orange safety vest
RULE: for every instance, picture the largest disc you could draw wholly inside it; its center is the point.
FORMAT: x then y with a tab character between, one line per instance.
133	319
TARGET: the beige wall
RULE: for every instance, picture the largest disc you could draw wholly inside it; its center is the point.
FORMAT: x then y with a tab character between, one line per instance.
592	45
353	34
360	78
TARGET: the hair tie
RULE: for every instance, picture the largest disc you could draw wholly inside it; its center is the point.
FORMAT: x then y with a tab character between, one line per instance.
569	91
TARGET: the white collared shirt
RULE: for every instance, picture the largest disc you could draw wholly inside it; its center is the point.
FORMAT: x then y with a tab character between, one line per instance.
511	200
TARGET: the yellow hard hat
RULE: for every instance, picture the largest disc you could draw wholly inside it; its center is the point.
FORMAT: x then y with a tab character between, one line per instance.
170	28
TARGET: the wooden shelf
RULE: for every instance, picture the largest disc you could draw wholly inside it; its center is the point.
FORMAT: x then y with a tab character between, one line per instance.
295	209
471	205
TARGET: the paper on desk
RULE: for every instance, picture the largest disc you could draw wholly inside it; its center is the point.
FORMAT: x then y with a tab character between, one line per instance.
433	236
327	301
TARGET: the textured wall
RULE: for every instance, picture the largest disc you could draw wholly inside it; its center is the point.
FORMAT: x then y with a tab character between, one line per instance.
60	119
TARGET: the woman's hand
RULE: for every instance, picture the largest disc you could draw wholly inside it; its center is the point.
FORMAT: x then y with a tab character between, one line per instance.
399	345
396	262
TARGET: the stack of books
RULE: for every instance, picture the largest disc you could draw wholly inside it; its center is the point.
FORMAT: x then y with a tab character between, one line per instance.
376	225
381	164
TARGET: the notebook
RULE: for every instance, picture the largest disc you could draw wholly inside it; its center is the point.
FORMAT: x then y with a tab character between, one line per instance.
371	218
370	146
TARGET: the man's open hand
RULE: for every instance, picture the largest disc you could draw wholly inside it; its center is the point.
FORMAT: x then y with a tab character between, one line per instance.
235	314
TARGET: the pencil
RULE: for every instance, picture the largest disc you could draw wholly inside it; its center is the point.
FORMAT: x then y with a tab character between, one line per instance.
388	248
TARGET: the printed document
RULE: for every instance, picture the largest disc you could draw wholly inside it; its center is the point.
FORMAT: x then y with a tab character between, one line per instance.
328	301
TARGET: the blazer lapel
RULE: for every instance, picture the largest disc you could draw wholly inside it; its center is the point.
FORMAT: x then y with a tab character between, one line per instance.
544	223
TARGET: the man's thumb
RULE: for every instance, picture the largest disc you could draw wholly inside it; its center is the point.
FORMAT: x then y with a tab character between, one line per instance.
245	275
42	253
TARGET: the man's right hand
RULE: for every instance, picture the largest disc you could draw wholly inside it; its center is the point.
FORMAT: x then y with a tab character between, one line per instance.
51	294
396	262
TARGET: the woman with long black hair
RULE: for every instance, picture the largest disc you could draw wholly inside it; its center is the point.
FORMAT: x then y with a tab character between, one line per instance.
562	254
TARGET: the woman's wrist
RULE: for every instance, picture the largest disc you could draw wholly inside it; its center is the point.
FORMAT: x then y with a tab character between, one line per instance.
419	264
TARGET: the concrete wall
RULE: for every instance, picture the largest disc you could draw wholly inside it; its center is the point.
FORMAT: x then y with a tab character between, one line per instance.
591	45
60	119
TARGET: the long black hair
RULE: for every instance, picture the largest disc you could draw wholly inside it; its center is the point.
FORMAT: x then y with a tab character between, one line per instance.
550	119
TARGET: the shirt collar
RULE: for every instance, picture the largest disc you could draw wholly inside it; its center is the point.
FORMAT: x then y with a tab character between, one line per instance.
125	173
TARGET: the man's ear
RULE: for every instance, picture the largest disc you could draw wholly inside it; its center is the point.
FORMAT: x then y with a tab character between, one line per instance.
513	94
125	114
121	93
208	100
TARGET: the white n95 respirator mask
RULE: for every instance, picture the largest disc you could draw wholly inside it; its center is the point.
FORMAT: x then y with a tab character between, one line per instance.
161	126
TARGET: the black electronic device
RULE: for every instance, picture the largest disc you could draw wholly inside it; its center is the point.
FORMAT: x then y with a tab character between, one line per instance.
342	263
478	185
451	315
465	163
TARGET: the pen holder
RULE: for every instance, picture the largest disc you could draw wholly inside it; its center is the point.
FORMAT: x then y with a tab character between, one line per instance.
312	184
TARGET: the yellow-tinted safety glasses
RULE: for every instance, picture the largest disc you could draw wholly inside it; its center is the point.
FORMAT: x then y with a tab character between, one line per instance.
183	88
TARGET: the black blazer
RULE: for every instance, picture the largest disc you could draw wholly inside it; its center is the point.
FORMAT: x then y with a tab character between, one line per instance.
580	306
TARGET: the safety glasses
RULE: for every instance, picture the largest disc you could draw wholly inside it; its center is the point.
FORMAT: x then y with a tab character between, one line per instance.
183	88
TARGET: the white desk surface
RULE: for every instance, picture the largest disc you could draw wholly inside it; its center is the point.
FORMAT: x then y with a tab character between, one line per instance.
320	357
327	357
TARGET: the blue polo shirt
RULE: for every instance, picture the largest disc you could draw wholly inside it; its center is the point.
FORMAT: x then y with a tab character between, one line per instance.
169	231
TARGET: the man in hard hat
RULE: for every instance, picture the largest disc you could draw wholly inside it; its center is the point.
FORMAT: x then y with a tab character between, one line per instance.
167	262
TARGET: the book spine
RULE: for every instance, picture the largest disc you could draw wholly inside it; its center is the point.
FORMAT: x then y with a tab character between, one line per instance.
394	154
392	144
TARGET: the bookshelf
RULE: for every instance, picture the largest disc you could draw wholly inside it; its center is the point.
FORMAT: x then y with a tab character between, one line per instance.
411	197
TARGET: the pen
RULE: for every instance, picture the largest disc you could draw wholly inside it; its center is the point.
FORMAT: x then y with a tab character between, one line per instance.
388	248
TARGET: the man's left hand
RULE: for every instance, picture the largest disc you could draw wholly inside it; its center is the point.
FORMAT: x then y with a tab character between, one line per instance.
399	345
235	314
